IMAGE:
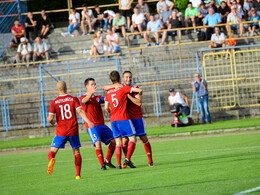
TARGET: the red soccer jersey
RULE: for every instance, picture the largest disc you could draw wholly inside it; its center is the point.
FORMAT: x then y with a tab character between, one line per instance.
133	110
18	30
93	110
65	107
117	99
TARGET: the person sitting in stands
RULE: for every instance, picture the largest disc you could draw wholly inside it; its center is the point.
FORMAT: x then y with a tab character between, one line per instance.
30	26
40	50
24	51
98	46
18	32
45	23
74	22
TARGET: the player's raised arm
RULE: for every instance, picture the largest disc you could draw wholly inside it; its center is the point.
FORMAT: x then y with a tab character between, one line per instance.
91	92
82	113
116	86
137	100
137	90
107	107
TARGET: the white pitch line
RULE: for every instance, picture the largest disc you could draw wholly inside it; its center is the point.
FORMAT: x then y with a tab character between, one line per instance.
175	153
248	191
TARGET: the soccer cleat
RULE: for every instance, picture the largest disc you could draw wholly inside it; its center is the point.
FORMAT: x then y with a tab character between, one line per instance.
119	167
124	165
150	164
103	168
50	166
78	177
109	164
128	163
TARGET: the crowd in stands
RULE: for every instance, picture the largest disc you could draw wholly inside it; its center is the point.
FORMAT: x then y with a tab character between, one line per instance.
207	13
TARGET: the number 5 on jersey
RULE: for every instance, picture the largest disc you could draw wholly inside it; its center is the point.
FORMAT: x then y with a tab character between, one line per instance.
65	111
114	100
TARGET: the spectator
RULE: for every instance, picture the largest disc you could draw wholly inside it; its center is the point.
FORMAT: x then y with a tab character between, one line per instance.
125	7
223	10
87	18
119	22
98	18
200	87
41	50
109	15
211	19
179	98
30	26
154	25
202	13
235	17
217	40
232	42
143	8
166	16
18	32
74	22
180	16
98	46
212	4
45	23
248	4
195	3
255	25
191	14
24	51
256	5
138	22
160	6
175	23
239	8
113	41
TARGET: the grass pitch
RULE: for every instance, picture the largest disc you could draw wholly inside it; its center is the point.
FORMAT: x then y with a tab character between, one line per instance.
210	165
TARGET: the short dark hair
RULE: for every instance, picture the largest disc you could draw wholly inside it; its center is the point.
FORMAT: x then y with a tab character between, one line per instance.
105	15
96	6
114	76
84	5
87	81
127	71
17	20
73	8
189	3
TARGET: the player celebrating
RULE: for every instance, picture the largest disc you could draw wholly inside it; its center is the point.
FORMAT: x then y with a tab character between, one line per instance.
120	120
65	107
101	132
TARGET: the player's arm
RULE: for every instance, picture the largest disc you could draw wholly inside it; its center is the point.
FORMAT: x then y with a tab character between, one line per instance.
169	101
137	100
50	119
107	107
137	90
91	92
116	86
83	114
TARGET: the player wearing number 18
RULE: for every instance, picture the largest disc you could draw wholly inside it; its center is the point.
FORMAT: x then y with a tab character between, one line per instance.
121	124
65	107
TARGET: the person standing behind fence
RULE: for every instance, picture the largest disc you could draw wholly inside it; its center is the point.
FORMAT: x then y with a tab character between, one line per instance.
200	87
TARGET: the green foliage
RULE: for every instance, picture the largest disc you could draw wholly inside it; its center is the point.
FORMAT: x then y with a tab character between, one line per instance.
182	5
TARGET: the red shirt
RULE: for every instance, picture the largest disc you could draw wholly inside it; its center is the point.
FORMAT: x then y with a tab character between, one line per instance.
93	110
134	111
18	30
231	41
117	99
65	107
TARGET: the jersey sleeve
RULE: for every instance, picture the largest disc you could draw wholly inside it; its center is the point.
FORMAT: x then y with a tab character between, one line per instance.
76	103
127	89
52	108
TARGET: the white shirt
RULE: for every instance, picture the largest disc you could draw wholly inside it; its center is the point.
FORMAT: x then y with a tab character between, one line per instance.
110	13
24	49
90	13
177	99
113	37
233	19
195	3
218	39
73	18
138	18
41	47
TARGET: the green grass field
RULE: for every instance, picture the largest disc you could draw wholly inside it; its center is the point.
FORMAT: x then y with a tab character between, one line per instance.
152	131
225	164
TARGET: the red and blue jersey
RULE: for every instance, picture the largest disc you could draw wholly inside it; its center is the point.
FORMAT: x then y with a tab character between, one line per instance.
65	107
93	110
117	98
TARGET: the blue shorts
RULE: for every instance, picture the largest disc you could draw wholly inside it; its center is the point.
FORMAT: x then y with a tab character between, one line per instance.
60	141
235	26
18	40
139	126
123	128
100	133
116	49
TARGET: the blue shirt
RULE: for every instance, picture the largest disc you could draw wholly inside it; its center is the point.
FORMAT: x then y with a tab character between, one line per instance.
212	20
166	15
154	26
255	18
201	91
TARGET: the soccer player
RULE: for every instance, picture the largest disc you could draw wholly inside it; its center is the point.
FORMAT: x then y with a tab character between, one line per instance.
65	107
122	126
134	102
92	106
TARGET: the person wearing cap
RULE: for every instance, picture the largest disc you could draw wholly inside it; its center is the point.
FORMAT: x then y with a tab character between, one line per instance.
24	51
40	50
179	98
235	17
201	88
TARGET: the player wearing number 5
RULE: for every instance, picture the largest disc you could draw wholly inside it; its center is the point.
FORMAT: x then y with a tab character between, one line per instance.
122	126
65	107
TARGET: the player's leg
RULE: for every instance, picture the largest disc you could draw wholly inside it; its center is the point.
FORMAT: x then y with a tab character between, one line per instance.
100	156
118	140
75	144
148	149
125	141
110	151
